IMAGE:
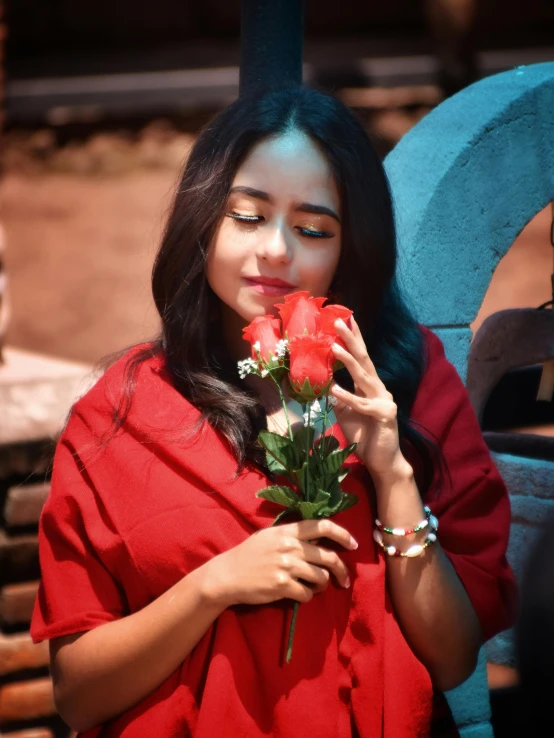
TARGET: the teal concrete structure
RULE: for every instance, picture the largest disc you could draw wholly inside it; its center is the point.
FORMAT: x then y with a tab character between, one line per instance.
465	181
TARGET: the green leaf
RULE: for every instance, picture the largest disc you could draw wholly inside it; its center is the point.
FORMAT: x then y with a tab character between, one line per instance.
283	514
279	494
304	438
329	444
310	510
345	501
336	459
282	449
304	477
322	496
274	466
348	501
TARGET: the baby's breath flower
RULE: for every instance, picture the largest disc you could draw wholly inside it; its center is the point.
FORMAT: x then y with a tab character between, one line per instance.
281	348
246	367
314	413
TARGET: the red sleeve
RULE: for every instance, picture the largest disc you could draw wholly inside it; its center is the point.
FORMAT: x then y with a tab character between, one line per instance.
78	548
472	507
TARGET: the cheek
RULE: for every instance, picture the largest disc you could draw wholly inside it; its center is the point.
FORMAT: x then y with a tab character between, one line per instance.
317	268
225	256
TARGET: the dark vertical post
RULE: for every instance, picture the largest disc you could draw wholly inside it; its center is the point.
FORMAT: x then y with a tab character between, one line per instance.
271	44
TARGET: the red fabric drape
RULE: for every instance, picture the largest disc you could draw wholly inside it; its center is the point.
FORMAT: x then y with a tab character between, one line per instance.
124	522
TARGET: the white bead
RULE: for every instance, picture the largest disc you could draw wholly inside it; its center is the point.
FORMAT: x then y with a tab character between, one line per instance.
433	522
424	524
391	550
413	551
377	536
398	532
431	537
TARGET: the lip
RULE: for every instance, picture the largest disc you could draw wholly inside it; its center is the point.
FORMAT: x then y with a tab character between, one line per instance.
269	285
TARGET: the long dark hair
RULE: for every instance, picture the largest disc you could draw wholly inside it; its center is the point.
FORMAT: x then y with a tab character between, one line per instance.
364	280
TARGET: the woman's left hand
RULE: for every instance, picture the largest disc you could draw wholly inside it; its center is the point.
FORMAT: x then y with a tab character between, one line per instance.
367	417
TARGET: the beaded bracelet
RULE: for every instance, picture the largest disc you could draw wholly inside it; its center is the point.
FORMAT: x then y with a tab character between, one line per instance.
415	550
429	520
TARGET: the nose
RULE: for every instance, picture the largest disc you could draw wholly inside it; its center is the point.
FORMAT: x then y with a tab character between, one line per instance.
274	245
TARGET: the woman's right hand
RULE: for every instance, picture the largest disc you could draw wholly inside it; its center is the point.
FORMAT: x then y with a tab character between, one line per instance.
279	562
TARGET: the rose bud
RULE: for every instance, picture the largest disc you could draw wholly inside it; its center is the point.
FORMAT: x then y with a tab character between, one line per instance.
300	314
264	330
311	366
327	317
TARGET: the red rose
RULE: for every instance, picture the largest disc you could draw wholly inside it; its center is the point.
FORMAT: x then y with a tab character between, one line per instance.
327	317
300	314
265	330
311	365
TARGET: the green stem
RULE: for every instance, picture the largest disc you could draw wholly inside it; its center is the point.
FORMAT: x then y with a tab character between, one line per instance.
291	631
284	403
324	429
307	409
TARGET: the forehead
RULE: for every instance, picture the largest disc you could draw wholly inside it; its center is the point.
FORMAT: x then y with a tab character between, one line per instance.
289	166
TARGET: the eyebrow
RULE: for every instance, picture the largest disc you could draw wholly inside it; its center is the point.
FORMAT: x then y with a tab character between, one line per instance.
303	207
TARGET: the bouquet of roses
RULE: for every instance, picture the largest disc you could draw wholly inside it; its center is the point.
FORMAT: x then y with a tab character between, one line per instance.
297	347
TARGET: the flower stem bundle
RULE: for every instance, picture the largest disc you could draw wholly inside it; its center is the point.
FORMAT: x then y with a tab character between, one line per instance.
297	348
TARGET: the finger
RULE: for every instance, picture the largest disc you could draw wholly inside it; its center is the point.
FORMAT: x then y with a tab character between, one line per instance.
322	557
383	409
309	529
311	574
355	344
299	592
367	383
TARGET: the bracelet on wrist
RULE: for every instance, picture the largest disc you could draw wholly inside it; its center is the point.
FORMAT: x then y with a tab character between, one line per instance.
411	552
417	548
430	520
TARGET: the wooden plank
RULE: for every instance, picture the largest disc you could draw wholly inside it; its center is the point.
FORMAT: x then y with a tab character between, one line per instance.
18	652
17	602
30	733
18	558
26	700
26	458
24	504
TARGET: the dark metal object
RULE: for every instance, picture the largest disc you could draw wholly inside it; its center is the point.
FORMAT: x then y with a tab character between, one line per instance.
271	44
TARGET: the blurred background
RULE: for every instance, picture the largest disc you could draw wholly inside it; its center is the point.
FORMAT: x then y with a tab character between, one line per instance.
100	104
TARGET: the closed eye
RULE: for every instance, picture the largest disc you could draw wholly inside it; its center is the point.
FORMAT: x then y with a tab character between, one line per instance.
246	218
315	234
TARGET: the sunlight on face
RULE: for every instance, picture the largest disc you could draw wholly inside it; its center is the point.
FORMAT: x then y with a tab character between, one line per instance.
281	232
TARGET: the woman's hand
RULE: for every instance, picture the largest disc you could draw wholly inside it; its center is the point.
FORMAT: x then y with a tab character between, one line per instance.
367	417
279	562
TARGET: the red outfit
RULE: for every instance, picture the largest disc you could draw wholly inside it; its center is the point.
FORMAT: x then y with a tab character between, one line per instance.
125	522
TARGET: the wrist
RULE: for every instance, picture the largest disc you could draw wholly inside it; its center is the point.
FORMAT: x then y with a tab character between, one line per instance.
399	472
211	586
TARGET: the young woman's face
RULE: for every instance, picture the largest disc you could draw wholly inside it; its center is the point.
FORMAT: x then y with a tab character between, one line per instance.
281	232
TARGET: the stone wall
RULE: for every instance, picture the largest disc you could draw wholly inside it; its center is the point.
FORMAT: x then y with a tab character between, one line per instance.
36	393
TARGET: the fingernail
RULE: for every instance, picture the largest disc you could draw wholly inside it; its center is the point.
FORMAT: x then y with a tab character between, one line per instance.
337	388
336	346
347	582
353	543
339	323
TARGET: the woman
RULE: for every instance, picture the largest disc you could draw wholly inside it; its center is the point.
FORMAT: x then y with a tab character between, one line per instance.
166	592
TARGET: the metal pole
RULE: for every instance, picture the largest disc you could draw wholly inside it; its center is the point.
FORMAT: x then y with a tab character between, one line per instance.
271	44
